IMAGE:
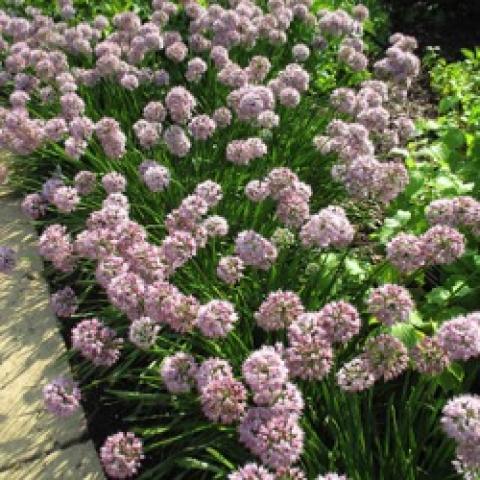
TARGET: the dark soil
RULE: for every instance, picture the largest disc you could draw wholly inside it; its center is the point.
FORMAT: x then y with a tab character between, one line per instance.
448	24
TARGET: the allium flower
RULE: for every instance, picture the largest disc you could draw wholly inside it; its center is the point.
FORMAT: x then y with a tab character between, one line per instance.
387	356
50	186
85	182
7	259
180	311
126	292
223	400
177	141
356	375
289	97
442	212
34	205
180	104
276	439
211	370
390	304
114	182
329	227
443	244
289	401
251	471
268	119
66	199
96	342
460	337
201	127
54	244
340	320
62	397
64	302
309	355
210	192
156	177
143	332
257	191
222	117
176	52
406	252
300	52
178	372
154	112
429	357
279	179
279	310
178	248
242	152
467	461
255	250
111	137
215	226
121	455
283	238
265	373
461	419
230	269
216	318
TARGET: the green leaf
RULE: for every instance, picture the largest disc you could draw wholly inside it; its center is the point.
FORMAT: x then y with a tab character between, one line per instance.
438	296
406	333
448	103
454	138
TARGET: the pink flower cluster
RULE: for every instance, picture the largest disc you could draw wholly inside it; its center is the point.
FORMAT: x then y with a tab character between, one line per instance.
121	455
64	302
461	421
439	245
390	304
62	397
255	250
8	259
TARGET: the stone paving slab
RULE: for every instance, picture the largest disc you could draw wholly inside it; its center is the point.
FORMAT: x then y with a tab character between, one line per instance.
31	440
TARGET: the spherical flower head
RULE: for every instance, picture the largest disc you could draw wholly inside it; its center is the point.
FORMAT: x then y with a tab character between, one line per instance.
279	179
34	206
330	227
126	292
429	357
290	473
156	178
360	12
289	97
276	439
292	209
114	182
230	269
212	369
344	100
242	152
62	397
268	119
309	355
406	252
178	372
340	320
96	342
283	238
177	52
85	182
300	52
201	127
442	212
180	104
8	259
443	244
257	190
154	112
467	461
143	332
387	355
178	248
121	455
279	310
216	319
64	302
390	304
461	419
215	226
224	400
265	373
289	401
180	311
460	337
356	375
210	192
222	117
251	471
176	140
255	250
155	294
66	199
50	186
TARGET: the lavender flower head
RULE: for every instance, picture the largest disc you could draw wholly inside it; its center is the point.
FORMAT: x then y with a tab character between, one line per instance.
64	302
279	310
251	471
62	397
143	332
178	372
121	455
461	419
7	259
216	319
390	304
